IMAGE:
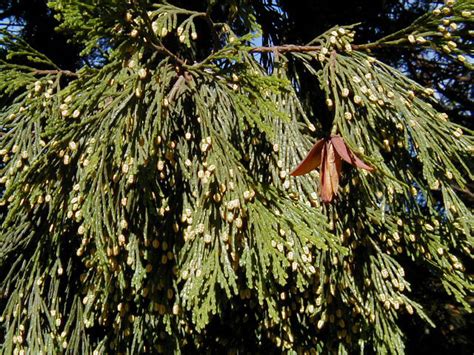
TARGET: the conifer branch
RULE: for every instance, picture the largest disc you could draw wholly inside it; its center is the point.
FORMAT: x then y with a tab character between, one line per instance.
289	48
159	47
211	24
166	51
54	72
145	196
285	49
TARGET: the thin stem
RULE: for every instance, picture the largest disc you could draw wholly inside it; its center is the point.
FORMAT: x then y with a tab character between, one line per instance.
285	48
54	72
159	47
164	50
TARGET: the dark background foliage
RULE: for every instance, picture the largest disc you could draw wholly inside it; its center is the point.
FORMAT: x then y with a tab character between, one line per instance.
36	24
297	22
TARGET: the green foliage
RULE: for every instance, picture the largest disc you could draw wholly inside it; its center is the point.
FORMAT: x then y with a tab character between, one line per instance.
91	20
447	30
151	197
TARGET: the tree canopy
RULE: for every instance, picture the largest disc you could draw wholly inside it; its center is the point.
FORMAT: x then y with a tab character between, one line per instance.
236	176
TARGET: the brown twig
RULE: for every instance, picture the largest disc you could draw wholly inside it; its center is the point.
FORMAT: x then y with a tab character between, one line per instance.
285	48
164	50
159	46
54	72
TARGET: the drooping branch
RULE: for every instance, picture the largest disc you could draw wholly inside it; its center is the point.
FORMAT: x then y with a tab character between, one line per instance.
287	48
159	46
